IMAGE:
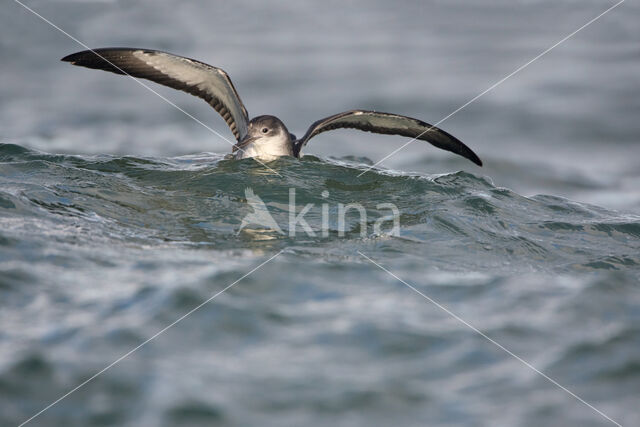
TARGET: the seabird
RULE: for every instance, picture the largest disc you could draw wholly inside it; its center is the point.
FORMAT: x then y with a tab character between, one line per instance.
264	137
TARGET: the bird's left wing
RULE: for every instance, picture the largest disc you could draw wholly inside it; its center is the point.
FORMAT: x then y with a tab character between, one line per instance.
390	124
197	78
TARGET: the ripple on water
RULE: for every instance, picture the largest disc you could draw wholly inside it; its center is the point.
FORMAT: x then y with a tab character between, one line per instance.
99	253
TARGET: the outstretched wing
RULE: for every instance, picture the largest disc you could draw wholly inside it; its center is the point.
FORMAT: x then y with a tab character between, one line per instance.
390	124
197	78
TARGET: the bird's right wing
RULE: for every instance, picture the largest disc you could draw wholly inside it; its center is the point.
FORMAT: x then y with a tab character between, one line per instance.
197	78
389	124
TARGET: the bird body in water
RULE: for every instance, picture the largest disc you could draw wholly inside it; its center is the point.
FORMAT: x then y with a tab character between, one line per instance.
263	137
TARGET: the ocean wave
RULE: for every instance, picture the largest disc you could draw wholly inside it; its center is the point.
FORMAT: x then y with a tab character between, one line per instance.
202	199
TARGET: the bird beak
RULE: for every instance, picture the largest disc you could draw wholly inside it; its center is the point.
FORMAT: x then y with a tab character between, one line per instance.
247	139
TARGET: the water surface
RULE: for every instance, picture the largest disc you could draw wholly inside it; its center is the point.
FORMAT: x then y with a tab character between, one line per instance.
119	214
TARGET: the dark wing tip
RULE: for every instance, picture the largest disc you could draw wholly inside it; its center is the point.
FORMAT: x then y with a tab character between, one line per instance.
83	55
70	58
475	159
97	54
452	144
100	59
465	152
80	58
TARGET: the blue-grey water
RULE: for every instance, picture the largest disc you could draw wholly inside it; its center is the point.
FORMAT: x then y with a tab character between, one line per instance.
119	214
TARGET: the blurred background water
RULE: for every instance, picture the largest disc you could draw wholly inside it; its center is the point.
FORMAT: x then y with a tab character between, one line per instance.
118	215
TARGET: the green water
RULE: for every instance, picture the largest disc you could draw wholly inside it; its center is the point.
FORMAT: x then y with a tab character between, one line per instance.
99	253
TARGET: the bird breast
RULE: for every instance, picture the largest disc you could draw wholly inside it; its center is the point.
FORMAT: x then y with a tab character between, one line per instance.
267	149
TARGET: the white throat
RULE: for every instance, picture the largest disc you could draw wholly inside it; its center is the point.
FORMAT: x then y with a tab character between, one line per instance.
267	148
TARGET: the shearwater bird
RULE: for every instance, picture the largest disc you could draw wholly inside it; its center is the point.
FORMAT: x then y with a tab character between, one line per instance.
264	137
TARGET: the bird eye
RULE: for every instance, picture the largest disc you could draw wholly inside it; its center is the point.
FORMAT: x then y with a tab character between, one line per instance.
265	130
